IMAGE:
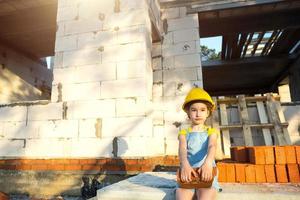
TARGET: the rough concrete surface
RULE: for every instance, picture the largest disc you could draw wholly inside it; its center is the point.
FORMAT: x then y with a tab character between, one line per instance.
49	184
161	185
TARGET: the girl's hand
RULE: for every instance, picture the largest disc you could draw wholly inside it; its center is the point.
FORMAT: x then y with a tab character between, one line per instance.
187	172
206	171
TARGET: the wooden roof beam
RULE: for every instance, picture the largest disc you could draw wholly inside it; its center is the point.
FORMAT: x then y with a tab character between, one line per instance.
259	38
249	24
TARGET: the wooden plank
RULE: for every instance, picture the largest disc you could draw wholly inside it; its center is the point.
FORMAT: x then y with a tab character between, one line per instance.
282	120
259	38
240	45
246	45
253	125
215	124
234	46
269	43
264	119
248	99
225	132
224	47
278	132
243	112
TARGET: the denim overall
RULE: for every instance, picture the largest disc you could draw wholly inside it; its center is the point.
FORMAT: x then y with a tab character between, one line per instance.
197	147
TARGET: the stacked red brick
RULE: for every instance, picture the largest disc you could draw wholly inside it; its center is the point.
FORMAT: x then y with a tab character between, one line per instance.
261	164
133	165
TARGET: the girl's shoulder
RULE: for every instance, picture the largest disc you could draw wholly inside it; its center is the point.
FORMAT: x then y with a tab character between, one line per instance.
185	130
211	130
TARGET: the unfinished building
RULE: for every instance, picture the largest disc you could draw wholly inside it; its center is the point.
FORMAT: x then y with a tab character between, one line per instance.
121	69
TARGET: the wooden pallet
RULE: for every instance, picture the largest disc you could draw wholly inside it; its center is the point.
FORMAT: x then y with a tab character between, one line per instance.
272	121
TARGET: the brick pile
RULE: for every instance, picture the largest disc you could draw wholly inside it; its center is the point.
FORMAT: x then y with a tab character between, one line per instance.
261	164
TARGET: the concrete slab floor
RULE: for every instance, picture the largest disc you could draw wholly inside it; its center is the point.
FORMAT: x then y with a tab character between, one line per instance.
161	185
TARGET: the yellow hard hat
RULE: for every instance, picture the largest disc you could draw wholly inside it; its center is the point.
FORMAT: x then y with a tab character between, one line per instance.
198	94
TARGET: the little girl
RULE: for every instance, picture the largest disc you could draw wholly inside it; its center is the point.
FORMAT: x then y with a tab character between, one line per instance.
197	146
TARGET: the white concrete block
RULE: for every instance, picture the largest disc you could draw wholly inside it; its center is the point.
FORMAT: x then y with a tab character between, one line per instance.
157	90
121	52
137	51
46	148
124	88
292	115
98	72
97	39
126	5
82	26
182	11
131	69
171	131
13	148
45	112
200	76
183	23
131	34
169	88
15	113
79	91
172	147
127	126
58	61
63	75
91	9
184	87
157	117
2	133
66	13
284	92
179	49
64	3
131	107
168	62
173	104
170	13
92	147
81	57
13	130
157	63
110	54
168	38
57	129
91	109
158	76
180	75
125	19
60	30
90	128
158	131
140	146
156	49
189	60
171	117
186	35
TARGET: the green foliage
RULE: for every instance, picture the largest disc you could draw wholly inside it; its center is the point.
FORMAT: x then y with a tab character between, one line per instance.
209	54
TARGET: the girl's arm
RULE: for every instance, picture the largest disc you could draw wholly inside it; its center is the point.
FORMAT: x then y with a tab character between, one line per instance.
208	163
186	169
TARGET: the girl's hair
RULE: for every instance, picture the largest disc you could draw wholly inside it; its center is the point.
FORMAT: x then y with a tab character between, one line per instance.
208	105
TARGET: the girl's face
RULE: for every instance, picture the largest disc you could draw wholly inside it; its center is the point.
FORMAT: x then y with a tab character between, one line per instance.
198	113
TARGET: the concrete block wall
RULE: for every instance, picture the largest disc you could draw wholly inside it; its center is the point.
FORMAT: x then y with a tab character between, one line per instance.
22	78
102	86
176	69
103	50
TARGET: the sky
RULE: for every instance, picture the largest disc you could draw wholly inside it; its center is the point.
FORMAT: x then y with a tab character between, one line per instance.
212	43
